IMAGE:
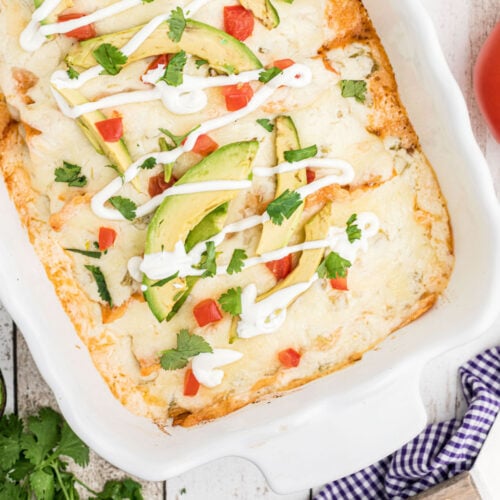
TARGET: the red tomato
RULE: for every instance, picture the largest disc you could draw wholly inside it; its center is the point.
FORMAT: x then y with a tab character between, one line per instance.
107	237
339	283
157	184
83	33
162	60
237	96
289	358
487	81
111	129
205	145
280	268
238	22
311	175
207	311
283	63
191	385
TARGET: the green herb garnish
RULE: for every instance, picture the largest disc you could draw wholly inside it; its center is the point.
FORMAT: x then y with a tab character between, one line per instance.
334	266
148	164
208	260
301	154
173	75
176	25
231	301
354	88
268	74
187	346
71	174
266	124
200	62
87	253
102	287
110	58
237	261
164	281
283	206
352	229
125	206
72	73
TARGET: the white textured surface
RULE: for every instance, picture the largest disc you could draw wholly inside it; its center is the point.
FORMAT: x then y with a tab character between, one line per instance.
461	35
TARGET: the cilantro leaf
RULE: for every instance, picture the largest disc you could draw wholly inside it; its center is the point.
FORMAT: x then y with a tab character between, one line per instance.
164	281
42	484
125	206
10	449
352	229
148	163
176	139
118	490
301	154
268	74
72	446
283	206
43	436
266	123
187	346
102	287
173	72
176	25
334	266
70	173
354	88
231	301
72	73
200	62
87	253
110	58
208	260
237	261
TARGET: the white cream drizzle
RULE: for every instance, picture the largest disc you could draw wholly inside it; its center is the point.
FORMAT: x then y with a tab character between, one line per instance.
204	365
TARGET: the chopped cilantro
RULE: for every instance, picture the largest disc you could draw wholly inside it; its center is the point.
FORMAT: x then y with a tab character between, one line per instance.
87	253
266	124
301	154
237	261
173	72
72	73
187	346
334	266
148	164
110	58
354	88
200	62
231	301
102	287
352	229
176	139
71	174
208	260
125	206
283	206
176	25
268	74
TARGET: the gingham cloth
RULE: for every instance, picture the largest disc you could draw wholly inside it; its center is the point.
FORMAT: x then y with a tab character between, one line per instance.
440	452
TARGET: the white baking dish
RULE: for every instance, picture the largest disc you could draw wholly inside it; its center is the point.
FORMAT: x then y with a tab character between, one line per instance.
343	422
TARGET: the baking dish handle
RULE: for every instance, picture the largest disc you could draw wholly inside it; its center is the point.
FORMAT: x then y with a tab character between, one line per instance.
351	436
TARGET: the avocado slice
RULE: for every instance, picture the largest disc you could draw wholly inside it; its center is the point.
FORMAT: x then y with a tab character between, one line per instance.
287	139
264	11
222	51
117	152
178	215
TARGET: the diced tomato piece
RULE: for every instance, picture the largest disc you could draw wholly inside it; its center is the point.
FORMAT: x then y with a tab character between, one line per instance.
205	145
207	311
280	268
83	33
339	283
237	96
191	385
157	184
289	358
238	22
283	63
111	129
311	175
107	237
161	60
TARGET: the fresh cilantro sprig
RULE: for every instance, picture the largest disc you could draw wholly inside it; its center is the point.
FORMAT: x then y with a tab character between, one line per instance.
283	206
176	25
231	301
125	206
301	154
187	346
34	461
208	260
70	173
110	58
177	140
268	74
173	75
148	163
237	261
266	124
334	266
352	229
354	88
102	287
72	73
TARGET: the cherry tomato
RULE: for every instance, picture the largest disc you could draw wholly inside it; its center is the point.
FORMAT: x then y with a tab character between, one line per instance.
289	358
205	145
280	268
83	33
207	311
107	237
283	63
111	130
238	22
157	184
237	96
191	385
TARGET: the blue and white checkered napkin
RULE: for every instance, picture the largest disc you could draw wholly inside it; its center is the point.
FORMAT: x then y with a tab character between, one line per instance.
440	452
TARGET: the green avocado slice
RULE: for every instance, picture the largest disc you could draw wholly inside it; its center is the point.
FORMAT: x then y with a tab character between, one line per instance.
264	11
273	236
222	51
178	215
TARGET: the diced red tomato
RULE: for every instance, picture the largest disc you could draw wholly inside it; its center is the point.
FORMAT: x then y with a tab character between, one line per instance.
205	145
283	63
311	175
161	60
238	22
107	237
191	385
207	311
111	130
237	96
289	358
280	268
83	33
157	184
339	283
